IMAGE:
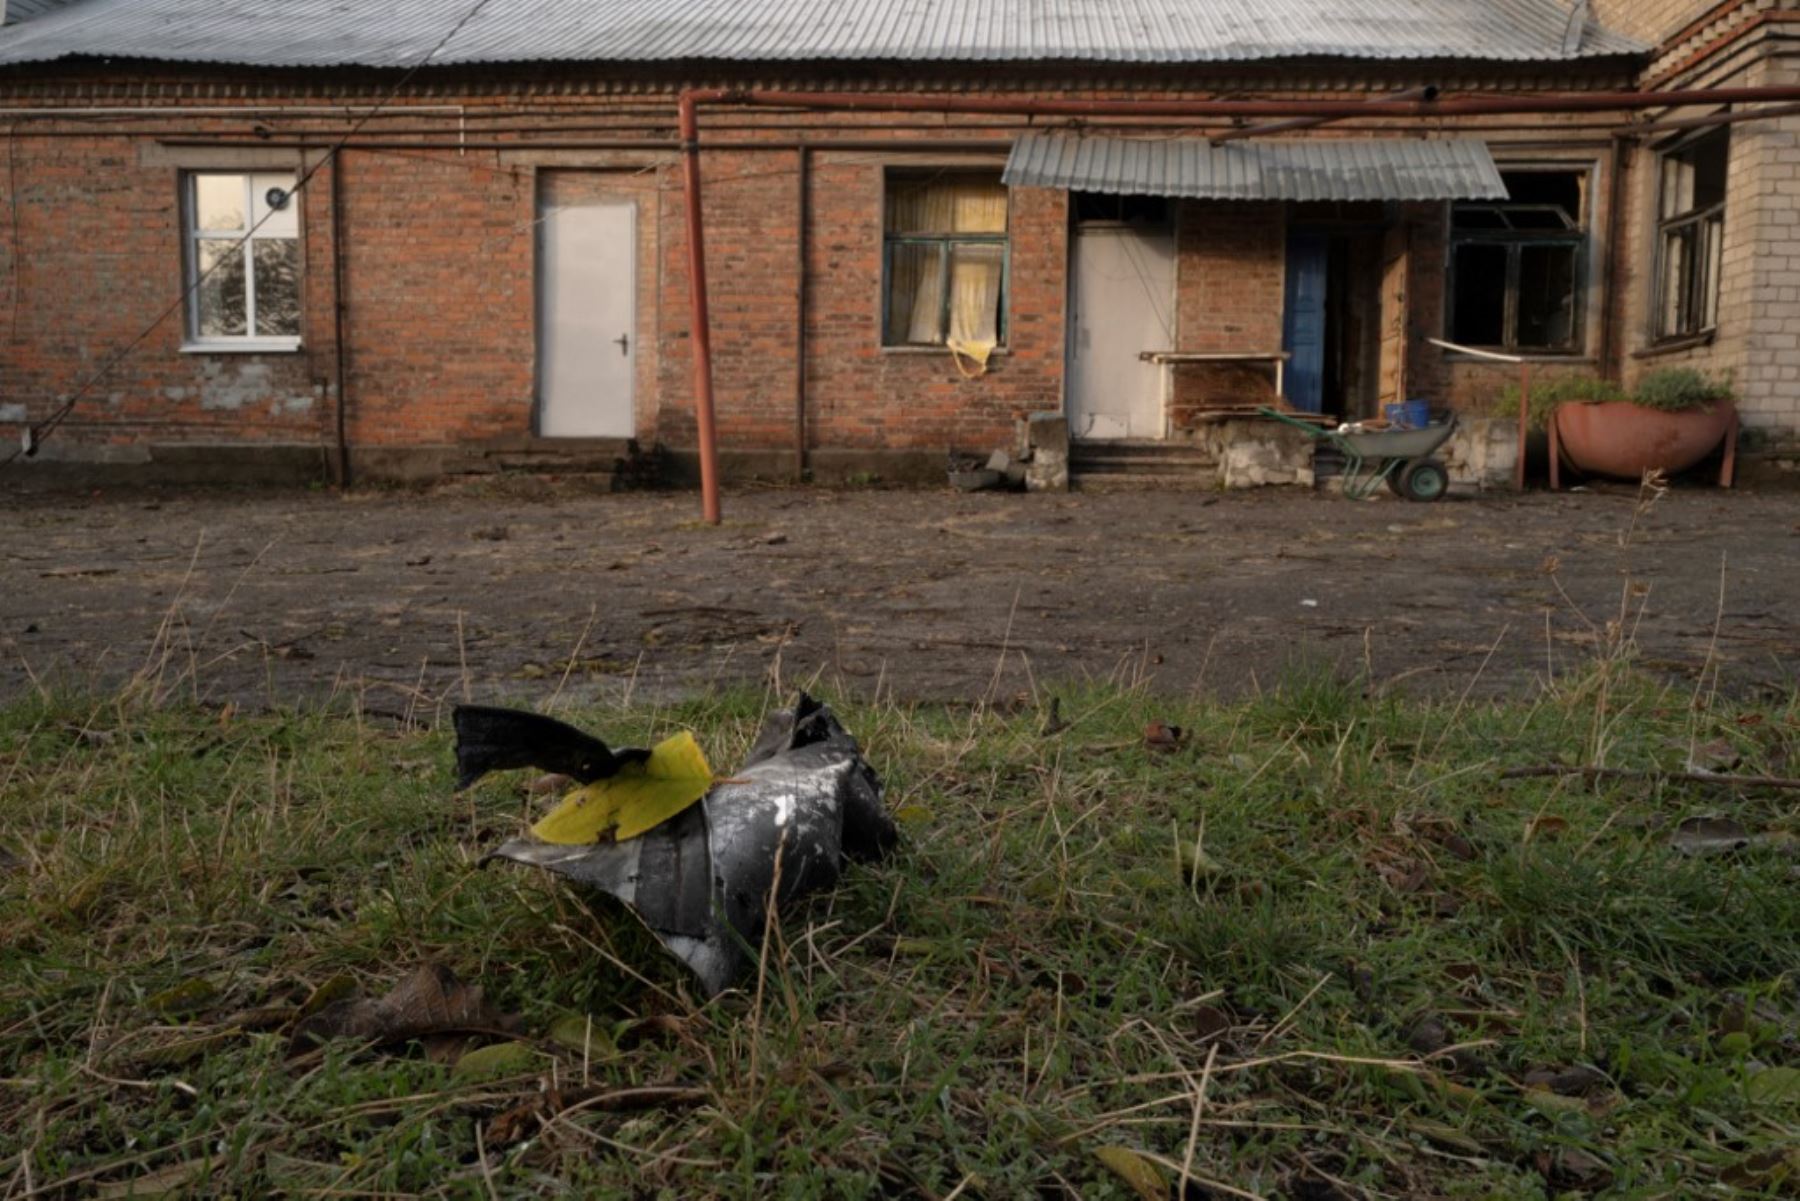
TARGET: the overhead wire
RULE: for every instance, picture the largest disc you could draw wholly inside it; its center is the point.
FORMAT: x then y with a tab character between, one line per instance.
35	434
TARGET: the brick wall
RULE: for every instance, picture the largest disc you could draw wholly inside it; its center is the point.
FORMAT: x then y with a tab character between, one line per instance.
438	287
441	305
90	256
1230	276
1765	186
1755	344
1648	20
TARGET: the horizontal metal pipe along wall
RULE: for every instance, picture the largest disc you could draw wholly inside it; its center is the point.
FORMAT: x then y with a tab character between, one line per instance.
1571	102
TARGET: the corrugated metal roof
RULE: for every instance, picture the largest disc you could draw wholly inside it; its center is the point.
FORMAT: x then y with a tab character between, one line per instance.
391	33
1310	169
25	10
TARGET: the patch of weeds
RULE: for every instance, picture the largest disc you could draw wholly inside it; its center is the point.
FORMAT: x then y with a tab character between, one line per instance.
1311	698
1325	914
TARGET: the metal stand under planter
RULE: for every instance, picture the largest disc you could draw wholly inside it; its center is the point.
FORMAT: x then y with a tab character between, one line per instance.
1401	459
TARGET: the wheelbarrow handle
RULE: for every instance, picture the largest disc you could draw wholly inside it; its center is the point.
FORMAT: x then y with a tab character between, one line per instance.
1311	430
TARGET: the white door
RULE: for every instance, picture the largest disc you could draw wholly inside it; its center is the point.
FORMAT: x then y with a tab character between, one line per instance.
587	316
1121	303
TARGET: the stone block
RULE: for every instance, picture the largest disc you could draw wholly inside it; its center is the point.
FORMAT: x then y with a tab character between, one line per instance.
1048	432
1482	452
1047	436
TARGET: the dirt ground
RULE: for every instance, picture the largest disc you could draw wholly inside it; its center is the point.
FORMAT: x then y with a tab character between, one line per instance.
533	592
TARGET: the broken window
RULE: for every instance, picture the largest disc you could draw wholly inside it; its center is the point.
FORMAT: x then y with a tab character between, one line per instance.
243	259
1690	235
1516	265
946	266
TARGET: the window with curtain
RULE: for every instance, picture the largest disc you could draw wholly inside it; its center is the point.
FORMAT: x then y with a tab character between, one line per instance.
1518	266
946	261
1690	235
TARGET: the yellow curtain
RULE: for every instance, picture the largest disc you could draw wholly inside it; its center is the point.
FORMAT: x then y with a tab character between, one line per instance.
947	205
928	297
975	273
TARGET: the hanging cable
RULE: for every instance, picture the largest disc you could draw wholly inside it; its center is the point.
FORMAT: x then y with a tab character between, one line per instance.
35	434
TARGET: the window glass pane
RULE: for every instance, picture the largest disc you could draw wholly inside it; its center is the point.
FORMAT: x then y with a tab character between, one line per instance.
946	204
1546	315
1539	217
1557	191
282	222
219	202
1713	236
1675	259
1677	185
1478	310
277	287
1694	177
221	294
915	294
976	270
1710	156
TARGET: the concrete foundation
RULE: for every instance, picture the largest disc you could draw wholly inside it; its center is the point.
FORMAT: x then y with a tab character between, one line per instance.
1255	452
1483	452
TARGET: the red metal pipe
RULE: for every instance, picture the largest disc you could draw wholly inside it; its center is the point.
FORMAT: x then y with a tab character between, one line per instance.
701	334
802	218
897	145
1428	92
1525	431
1711	119
1549	102
338	307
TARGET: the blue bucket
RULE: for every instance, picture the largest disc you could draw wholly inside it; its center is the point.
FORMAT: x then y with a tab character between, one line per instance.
1410	414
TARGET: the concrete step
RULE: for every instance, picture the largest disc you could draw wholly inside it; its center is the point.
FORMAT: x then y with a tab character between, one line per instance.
1146	481
1153	458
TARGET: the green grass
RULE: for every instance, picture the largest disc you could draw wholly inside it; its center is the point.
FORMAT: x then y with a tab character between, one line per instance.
1316	952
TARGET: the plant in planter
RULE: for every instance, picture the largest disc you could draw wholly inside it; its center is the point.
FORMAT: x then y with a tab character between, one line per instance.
1672	420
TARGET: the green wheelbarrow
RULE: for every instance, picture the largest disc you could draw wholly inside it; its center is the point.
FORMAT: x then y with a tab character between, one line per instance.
1401	459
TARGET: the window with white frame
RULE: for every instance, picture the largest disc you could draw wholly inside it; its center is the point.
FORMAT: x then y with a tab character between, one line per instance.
1690	235
243	259
1518	266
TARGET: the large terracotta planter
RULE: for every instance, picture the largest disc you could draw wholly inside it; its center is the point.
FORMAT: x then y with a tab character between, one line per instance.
1624	440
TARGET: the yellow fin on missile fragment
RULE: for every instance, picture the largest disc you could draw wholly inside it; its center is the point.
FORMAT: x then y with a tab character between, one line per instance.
641	797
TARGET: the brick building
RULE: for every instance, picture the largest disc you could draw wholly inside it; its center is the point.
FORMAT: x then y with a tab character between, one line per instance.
242	252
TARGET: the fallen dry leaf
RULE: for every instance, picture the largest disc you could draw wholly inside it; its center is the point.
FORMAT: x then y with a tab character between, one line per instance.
496	1062
1709	836
1765	1172
1545	825
523	1121
1144	1178
1163	738
1577	1081
430	1001
1710	758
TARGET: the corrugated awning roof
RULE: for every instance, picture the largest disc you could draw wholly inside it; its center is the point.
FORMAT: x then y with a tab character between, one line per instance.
1310	169
399	33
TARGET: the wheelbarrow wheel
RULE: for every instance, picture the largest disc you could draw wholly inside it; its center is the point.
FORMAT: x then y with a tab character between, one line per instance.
1424	480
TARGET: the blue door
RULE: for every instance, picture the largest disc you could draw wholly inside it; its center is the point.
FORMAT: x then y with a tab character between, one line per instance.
1303	321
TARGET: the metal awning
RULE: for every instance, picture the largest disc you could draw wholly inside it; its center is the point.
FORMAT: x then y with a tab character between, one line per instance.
1309	169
